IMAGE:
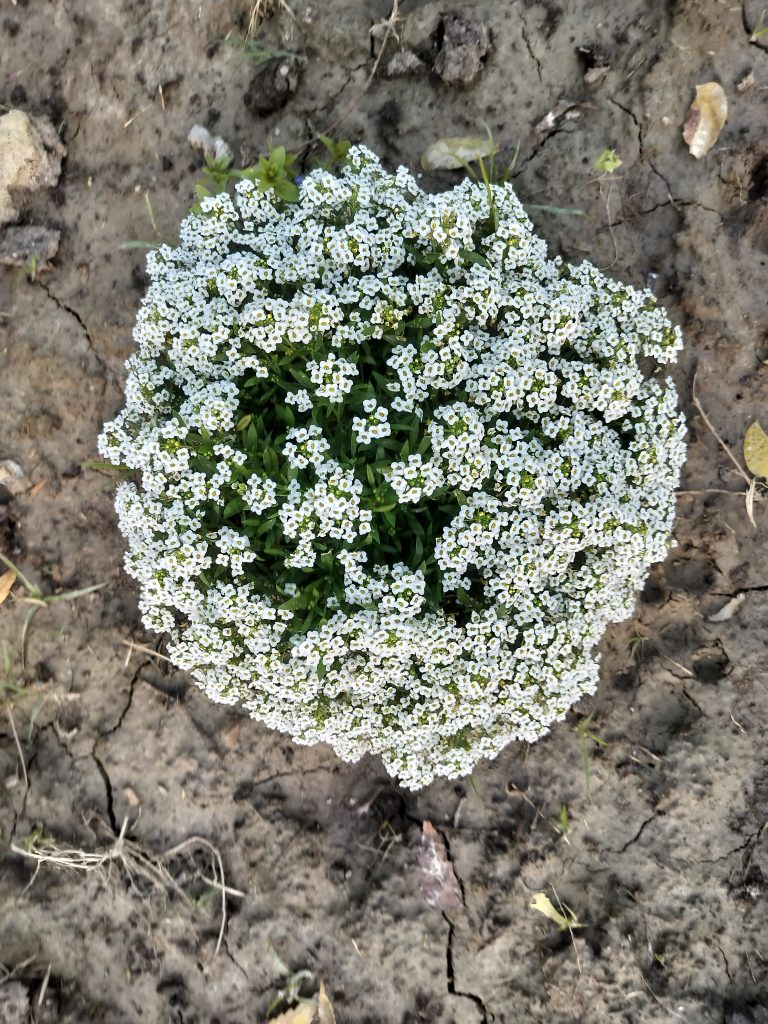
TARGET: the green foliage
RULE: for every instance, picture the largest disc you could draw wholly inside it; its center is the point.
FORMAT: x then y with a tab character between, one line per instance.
260	54
274	173
608	161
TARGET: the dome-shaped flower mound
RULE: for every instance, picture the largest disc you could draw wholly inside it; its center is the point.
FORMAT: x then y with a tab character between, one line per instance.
398	470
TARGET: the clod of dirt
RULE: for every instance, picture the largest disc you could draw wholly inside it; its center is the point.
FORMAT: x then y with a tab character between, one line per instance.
14	1003
21	247
211	147
272	86
404	62
435	876
711	664
464	45
30	159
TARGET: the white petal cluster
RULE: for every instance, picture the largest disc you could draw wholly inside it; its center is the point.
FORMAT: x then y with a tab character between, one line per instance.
394	470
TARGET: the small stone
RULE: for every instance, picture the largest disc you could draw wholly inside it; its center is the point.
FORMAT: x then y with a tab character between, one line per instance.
272	86
463	47
30	159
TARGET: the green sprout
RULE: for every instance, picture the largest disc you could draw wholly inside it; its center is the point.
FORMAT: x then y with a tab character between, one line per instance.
608	161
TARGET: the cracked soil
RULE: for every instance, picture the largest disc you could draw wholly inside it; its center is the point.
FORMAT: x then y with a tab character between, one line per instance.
666	855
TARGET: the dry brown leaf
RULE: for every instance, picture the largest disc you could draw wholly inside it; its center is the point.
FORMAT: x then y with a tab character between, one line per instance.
705	119
756	450
6	582
37	488
435	875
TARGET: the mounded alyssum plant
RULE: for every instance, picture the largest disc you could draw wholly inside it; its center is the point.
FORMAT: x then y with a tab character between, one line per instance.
394	469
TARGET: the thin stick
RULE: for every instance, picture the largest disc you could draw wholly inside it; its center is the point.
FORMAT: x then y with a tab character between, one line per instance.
739	468
390	23
44	986
749	497
145	650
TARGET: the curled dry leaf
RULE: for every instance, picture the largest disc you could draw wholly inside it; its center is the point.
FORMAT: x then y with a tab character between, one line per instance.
435	875
6	583
756	450
320	1012
705	119
456	151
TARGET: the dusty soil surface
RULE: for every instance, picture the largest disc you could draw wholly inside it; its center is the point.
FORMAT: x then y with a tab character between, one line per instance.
665	859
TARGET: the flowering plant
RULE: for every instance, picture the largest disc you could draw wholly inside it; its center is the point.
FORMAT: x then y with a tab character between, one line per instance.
397	469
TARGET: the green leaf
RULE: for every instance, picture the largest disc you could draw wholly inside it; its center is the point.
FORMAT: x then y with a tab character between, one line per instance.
474	257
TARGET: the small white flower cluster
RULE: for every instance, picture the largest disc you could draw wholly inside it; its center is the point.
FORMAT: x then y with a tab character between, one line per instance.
394	470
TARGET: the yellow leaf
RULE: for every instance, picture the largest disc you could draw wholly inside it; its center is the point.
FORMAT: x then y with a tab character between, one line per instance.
457	151
542	903
6	582
325	1014
705	119
756	450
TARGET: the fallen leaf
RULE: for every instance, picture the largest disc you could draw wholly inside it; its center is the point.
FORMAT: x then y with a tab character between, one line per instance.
729	609
705	119
542	903
457	151
303	1014
325	1014
756	450
435	875
319	1011
37	488
6	583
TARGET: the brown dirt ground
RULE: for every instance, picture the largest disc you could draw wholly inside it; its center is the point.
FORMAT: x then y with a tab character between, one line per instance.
667	858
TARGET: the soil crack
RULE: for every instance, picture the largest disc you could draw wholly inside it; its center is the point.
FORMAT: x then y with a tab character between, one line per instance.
637	834
486	1017
66	308
529	47
108	788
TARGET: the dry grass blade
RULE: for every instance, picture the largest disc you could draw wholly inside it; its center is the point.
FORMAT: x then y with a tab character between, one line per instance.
20	751
135	861
749	498
389	28
261	10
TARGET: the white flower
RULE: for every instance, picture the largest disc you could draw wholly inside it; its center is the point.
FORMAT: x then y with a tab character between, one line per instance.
395	470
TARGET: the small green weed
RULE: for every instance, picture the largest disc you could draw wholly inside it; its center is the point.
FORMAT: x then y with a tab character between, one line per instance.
585	735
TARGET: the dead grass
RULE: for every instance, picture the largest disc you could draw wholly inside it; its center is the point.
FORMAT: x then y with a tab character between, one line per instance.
134	861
